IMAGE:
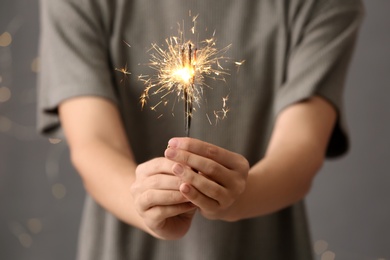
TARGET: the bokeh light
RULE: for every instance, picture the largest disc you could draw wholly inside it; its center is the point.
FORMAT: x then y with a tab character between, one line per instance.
5	39
34	225
5	124
54	140
5	94
328	255
35	65
320	246
26	240
20	232
58	190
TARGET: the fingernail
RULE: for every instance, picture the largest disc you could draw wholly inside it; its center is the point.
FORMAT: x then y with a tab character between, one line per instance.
170	153
173	143
185	188
178	169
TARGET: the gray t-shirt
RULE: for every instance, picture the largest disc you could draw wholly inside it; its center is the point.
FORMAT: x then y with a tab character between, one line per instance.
292	50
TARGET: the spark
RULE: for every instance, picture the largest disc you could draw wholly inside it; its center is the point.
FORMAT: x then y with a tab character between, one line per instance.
239	64
124	71
182	67
128	45
222	114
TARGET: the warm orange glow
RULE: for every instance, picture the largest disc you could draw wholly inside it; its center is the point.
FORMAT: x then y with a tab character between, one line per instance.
185	75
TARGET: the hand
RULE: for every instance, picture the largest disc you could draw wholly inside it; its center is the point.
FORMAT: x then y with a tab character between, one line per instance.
166	212
212	178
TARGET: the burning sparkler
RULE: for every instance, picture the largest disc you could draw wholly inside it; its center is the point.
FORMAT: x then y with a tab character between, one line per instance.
181	69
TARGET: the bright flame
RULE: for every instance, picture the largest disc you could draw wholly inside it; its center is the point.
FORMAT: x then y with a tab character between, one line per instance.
185	75
182	67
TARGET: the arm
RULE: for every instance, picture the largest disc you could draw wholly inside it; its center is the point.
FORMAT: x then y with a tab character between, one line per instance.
100	153
294	155
283	177
144	196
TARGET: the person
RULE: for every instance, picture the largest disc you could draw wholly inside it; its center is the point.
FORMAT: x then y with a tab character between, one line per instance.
232	190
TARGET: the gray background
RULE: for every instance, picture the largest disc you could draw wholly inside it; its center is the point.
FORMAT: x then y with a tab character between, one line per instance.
41	195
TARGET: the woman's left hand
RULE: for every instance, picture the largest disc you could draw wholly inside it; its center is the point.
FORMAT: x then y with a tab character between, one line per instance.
212	178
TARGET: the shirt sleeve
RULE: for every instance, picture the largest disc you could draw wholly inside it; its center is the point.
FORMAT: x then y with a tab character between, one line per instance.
320	52
74	58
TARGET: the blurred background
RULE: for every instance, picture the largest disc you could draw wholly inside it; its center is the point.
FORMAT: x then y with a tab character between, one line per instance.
41	195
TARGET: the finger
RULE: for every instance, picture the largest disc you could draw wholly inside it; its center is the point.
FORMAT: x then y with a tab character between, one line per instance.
161	182
204	203
154	166
212	192
160	213
208	167
152	198
204	149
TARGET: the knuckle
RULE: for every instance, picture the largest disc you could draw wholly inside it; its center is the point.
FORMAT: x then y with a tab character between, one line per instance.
175	196
190	178
177	182
212	168
153	181
244	164
186	144
155	165
211	151
157	214
216	193
186	157
147	199
195	196
140	208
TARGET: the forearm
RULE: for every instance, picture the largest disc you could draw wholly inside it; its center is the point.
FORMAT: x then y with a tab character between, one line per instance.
295	153
101	154
107	173
273	184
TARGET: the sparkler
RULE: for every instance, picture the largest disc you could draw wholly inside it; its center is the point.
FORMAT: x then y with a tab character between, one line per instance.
181	69
187	75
